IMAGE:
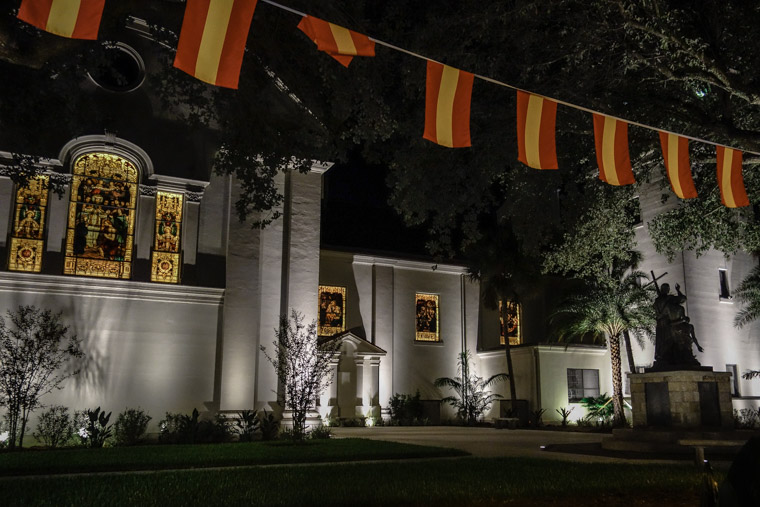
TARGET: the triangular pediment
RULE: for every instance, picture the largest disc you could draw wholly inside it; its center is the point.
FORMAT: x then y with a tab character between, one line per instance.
361	346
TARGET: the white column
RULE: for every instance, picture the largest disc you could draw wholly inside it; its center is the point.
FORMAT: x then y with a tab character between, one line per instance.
360	409
374	390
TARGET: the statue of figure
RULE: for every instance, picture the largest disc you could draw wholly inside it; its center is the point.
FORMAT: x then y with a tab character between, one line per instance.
674	333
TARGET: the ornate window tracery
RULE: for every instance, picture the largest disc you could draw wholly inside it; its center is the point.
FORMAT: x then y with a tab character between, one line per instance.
513	328
165	258
101	219
27	243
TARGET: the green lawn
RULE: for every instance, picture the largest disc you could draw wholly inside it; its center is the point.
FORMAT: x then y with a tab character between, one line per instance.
162	457
464	481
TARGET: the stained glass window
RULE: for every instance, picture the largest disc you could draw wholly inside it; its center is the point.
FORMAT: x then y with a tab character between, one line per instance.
426	318
332	310
165	258
513	327
26	245
101	220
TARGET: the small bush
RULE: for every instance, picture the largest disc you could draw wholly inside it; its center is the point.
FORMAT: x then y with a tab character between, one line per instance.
247	425
92	427
405	409
55	427
564	413
131	426
321	432
269	425
191	429
747	418
536	417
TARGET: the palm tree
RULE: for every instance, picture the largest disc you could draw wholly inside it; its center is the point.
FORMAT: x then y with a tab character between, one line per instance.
608	310
748	293
473	398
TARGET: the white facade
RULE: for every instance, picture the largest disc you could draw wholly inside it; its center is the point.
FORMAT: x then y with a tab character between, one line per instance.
165	347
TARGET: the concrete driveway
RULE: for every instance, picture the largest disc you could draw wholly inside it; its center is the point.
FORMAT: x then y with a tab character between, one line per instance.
490	442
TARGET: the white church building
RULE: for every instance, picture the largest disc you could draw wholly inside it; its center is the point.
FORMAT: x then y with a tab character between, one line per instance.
173	297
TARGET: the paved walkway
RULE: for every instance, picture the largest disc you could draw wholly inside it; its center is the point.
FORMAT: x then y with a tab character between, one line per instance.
490	442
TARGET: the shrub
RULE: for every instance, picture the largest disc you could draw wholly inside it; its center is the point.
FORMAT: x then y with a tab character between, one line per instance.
564	413
600	409
247	425
321	432
190	429
405	408
93	428
269	425
55	427
536	417
747	418
131	426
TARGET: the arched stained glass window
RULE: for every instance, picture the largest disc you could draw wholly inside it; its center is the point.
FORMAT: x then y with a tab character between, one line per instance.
26	245
101	220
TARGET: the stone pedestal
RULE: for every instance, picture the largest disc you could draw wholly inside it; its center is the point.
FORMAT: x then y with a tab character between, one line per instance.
681	399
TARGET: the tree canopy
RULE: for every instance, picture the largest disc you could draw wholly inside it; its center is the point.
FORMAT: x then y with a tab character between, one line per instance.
681	66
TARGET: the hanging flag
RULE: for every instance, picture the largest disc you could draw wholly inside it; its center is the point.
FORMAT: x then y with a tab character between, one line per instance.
730	181
675	151
447	105
611	139
340	43
75	19
212	40
536	119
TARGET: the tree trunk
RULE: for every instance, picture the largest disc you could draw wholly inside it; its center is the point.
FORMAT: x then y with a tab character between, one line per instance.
508	352
617	382
629	351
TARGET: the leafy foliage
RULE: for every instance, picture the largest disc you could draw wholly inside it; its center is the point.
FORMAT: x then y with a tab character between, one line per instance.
270	425
94	428
600	408
405	409
35	351
472	395
190	429
302	363
130	426
54	427
564	412
748	294
247	425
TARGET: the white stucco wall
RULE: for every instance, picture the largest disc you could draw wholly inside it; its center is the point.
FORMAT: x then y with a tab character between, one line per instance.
147	345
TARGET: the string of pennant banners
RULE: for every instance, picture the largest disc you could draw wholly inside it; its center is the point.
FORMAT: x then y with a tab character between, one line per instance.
212	44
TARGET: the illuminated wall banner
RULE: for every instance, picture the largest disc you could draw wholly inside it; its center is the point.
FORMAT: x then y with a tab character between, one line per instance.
426	318
27	244
101	221
165	258
513	327
332	310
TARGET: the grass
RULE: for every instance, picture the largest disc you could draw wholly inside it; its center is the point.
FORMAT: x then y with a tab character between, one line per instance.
465	481
162	457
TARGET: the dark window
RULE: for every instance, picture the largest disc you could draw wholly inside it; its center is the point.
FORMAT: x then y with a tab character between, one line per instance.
582	384
731	368
725	292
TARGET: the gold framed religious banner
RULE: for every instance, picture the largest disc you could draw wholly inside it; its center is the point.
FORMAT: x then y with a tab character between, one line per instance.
26	242
426	318
332	310
513	327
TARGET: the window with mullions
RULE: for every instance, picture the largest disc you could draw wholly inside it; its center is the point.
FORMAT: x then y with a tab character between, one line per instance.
27	243
165	258
513	328
582	384
101	221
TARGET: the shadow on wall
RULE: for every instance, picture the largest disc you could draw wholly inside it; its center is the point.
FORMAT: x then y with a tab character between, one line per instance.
82	320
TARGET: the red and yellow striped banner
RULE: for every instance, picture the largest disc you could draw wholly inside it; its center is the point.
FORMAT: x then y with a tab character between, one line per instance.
448	95
340	43
75	19
730	181
611	140
212	40
675	151
536	120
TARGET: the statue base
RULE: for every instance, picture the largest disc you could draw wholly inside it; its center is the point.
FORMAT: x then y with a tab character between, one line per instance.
676	367
688	398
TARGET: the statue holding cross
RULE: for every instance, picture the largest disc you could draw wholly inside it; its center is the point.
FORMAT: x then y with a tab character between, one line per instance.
674	333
